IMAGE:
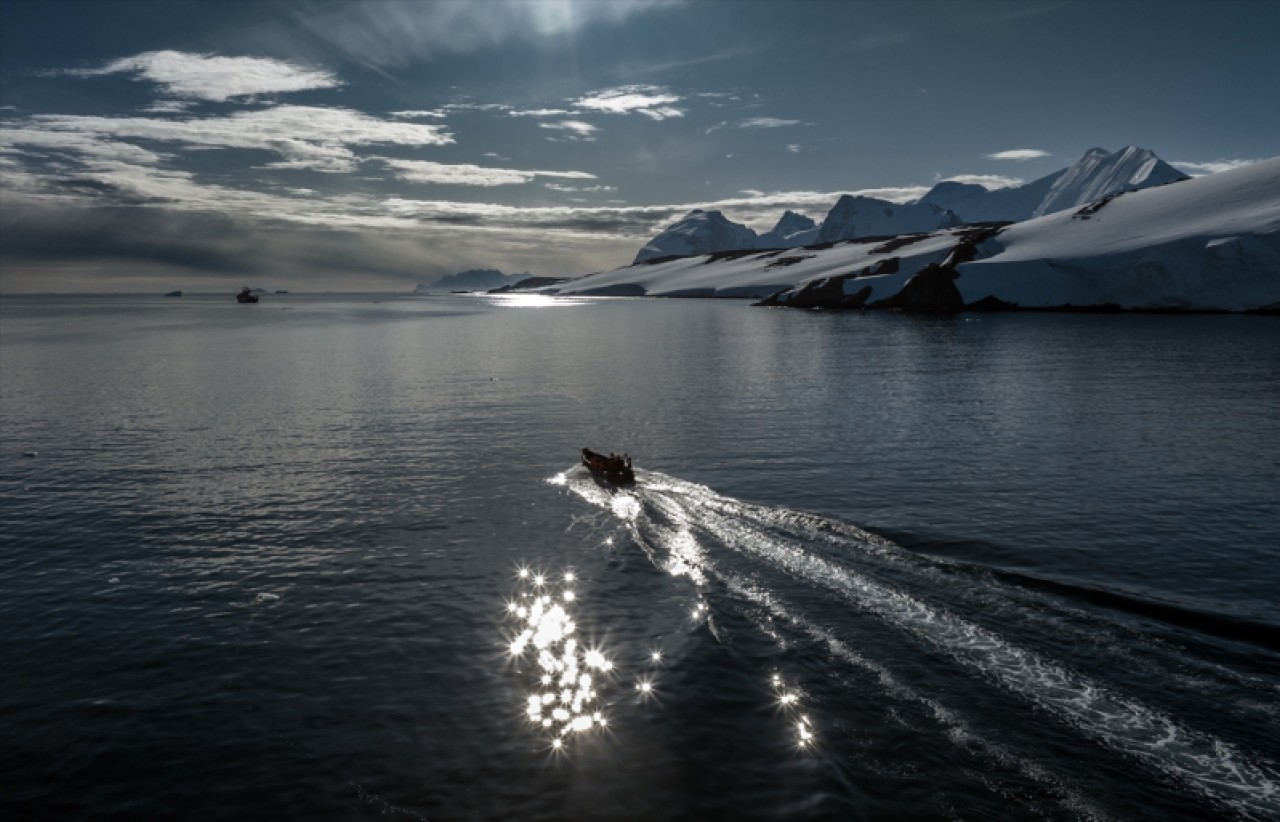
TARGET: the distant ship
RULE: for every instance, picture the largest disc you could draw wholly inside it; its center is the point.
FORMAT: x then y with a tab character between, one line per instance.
174	294
282	291
246	296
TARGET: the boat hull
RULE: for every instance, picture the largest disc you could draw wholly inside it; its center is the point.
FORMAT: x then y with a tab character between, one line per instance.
610	470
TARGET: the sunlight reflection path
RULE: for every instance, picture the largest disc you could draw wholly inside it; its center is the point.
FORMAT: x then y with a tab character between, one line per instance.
565	673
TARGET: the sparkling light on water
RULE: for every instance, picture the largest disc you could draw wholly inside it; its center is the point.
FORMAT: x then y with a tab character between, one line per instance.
789	701
563	699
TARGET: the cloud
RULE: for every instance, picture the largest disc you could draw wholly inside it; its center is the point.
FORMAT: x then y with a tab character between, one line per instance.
88	148
209	77
418	114
420	171
573	129
1018	154
653	102
466	106
540	112
1213	167
990	181
562	187
304	137
767	122
794	148
169	107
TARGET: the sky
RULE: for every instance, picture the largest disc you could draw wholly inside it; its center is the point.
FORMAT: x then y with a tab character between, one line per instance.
372	146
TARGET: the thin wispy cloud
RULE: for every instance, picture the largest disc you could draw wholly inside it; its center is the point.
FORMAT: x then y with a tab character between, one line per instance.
768	122
419	114
563	187
653	102
469	106
985	180
1213	167
539	112
1017	154
572	129
794	148
465	174
86	148
304	137
169	107
215	78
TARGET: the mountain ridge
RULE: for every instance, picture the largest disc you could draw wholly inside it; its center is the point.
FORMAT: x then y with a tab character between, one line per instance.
1098	173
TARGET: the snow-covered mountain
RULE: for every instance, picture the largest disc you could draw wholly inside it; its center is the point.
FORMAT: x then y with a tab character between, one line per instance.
1095	175
853	217
709	232
699	232
1099	173
1209	243
791	230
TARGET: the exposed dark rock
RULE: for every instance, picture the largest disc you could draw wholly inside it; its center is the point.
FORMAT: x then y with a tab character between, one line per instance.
731	254
656	260
620	290
991	303
898	242
932	289
823	293
782	262
889	266
1096	206
531	282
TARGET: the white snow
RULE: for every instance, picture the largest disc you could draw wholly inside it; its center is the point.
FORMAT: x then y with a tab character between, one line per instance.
853	217
1096	174
1211	242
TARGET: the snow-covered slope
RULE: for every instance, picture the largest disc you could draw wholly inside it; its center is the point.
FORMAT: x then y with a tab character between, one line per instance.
1095	175
853	217
1209	243
699	232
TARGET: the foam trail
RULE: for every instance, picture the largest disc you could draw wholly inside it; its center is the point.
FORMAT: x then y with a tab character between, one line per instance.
779	537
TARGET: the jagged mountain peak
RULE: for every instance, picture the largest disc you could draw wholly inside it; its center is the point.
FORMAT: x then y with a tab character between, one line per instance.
701	231
1100	173
1095	175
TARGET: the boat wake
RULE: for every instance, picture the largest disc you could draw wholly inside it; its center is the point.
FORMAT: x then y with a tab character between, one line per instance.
755	555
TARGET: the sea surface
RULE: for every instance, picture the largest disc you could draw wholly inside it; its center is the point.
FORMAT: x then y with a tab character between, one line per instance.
333	557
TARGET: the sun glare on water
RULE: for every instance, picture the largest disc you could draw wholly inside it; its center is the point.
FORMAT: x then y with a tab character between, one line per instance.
564	674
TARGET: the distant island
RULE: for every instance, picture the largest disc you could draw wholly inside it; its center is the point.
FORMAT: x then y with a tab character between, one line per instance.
476	279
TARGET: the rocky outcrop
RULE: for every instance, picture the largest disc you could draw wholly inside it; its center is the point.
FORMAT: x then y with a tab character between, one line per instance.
930	290
529	284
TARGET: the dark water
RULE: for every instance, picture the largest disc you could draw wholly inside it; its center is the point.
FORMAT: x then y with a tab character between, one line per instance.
266	562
